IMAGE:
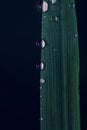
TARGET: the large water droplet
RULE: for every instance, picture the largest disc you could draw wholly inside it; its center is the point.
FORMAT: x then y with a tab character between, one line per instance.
42	6
45	6
40	44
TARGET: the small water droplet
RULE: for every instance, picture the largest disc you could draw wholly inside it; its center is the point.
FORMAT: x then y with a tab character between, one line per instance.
40	66
76	35
55	19
41	118
42	80
72	5
40	87
40	96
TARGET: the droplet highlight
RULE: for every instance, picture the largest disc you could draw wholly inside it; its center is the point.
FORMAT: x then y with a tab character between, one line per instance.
40	66
40	44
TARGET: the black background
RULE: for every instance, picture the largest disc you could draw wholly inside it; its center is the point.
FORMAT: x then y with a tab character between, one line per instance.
19	80
82	30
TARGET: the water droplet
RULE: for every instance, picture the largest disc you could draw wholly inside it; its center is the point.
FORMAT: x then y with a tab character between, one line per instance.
40	87
42	81
76	35
72	5
45	6
40	96
55	19
40	43
41	118
53	1
42	6
40	66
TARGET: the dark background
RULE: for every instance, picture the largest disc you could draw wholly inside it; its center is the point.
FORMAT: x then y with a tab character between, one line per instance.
19	80
82	30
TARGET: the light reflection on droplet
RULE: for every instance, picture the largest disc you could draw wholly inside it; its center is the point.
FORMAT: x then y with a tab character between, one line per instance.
40	44
42	80
40	66
41	118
